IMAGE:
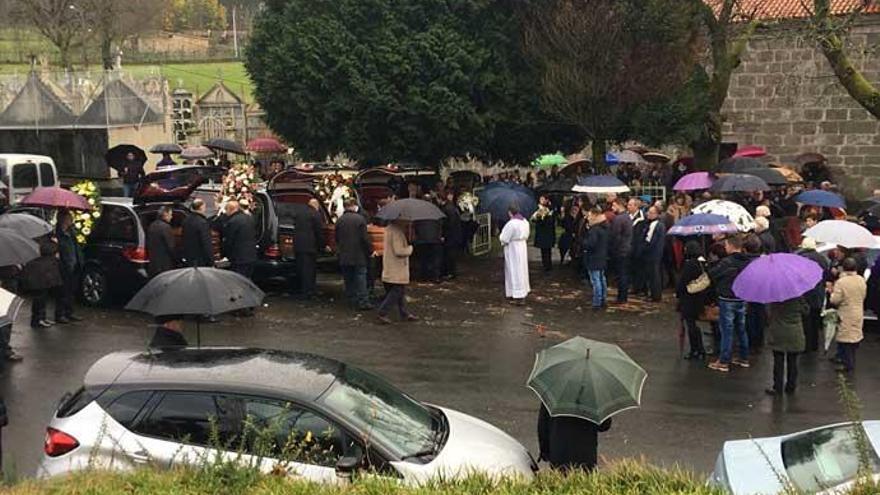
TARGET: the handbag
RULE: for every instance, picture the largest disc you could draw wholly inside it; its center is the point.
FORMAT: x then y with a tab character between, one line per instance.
700	283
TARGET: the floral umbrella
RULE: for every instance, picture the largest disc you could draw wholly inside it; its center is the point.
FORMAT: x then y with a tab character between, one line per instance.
736	213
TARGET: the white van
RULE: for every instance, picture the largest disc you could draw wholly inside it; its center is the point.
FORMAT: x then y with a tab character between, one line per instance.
21	174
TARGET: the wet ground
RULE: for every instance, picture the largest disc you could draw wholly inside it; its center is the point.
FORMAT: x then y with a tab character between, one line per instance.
471	352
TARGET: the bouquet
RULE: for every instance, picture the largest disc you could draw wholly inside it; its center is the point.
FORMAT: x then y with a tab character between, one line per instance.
541	213
84	221
333	190
238	185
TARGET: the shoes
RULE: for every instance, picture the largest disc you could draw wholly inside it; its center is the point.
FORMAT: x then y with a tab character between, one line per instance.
74	318
719	366
411	318
742	363
12	357
42	324
63	320
383	320
696	356
789	390
773	392
519	302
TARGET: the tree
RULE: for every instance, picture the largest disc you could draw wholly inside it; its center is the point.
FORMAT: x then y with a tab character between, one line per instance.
62	22
113	20
182	15
602	61
384	80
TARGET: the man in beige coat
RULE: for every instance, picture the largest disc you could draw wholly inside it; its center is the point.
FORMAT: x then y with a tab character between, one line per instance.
848	295
395	271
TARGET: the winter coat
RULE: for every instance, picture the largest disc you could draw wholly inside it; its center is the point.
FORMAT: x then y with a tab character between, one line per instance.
569	224
639	226
690	305
353	245
768	242
620	236
545	230
132	172
197	247
43	273
725	272
849	298
395	258
567	442
596	246
453	233
309	234
427	232
240	239
785	325
70	255
165	338
816	296
654	241
160	247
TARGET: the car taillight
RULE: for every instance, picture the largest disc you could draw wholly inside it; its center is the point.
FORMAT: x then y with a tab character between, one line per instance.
58	443
136	254
272	251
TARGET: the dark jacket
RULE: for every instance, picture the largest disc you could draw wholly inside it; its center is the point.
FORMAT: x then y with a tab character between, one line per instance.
725	272
568	224
197	247
815	298
768	242
165	338
596	247
621	233
690	305
785	325
132	172
453	234
160	247
653	247
70	255
639	226
43	273
353	245
309	236
240	239
545	231
427	232
567	442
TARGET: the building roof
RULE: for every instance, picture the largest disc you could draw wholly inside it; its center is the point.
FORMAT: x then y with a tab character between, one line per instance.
219	95
118	105
36	106
794	9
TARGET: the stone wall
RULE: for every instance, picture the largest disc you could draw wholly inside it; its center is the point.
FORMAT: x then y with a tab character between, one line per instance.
785	97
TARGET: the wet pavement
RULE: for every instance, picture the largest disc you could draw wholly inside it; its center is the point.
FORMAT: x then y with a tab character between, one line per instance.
471	352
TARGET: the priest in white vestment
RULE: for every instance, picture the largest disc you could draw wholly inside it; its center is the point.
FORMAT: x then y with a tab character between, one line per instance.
514	237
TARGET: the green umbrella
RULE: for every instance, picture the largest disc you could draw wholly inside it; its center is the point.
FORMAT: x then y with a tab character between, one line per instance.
587	379
547	161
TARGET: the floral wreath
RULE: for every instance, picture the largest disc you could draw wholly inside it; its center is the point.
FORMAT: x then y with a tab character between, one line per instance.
333	190
84	221
238	185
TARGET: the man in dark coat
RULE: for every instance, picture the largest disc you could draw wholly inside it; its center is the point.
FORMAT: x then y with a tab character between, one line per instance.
197	247
428	246
169	333
40	277
545	231
70	259
453	235
634	210
732	310
620	248
132	173
354	248
239	240
595	257
569	443
815	298
308	241
654	244
160	243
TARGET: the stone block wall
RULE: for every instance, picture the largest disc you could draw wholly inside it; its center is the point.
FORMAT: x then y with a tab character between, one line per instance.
785	97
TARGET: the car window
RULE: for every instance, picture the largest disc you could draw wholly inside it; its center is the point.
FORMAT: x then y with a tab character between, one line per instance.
47	175
24	175
127	406
825	458
181	417
116	224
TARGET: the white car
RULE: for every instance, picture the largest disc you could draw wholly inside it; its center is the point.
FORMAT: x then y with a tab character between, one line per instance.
183	406
823	460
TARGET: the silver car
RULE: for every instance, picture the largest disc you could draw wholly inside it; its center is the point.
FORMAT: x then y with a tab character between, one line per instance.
184	406
823	460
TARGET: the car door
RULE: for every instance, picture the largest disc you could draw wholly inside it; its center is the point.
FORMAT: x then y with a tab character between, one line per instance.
23	180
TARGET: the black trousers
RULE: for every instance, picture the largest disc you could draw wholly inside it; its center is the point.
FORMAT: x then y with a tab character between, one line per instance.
654	279
5	337
65	294
785	371
638	276
695	336
846	352
244	269
38	307
450	260
430	261
622	269
547	258
812	322
395	298
307	273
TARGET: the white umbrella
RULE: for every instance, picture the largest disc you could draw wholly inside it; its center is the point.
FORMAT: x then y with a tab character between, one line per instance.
9	306
734	212
847	234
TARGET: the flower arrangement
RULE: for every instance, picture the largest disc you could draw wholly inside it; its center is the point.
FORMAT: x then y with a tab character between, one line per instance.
333	190
239	184
84	221
541	213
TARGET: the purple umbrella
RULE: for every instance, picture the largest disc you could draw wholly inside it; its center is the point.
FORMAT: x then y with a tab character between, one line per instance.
694	182
777	278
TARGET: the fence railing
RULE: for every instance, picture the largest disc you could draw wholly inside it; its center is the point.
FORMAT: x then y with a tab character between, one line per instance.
482	241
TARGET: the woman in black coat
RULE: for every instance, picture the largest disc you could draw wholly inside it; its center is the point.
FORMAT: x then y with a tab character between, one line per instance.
691	306
569	226
567	442
545	231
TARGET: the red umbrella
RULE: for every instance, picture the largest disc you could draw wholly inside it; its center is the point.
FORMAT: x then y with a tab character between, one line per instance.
750	152
266	145
56	197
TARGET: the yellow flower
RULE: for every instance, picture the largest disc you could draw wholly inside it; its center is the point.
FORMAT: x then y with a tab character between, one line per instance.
86	231
308	437
97	214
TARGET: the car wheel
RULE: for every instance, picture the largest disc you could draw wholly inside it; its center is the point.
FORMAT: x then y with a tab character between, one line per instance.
93	288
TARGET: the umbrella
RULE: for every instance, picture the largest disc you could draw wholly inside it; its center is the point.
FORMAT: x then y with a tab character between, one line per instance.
9	306
116	156
265	145
842	233
789	173
628	156
27	225
166	148
739	183
772	176
561	185
694	182
739	164
600	184
777	278
703	224
549	161
587	379
226	145
497	197
56	197
196	153
820	198
410	209
734	212
196	292
656	157
805	158
750	152
17	249
611	159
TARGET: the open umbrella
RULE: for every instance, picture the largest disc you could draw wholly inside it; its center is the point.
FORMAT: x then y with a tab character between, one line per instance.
226	145
265	145
750	152
17	249
734	212
739	183
805	158
116	156
166	148
772	176
497	197
549	161
410	209
777	278
56	197
694	182
656	157
196	292
562	185
789	173
27	225
739	164
9	306
600	184
703	224
818	197
196	153
842	233
628	156
587	379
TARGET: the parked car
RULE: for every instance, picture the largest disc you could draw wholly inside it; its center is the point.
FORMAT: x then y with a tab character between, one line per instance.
21	174
822	460
163	408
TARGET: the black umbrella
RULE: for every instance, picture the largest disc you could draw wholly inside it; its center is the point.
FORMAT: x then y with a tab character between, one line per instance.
116	156
771	176
169	148
409	209
27	225
196	292
739	183
17	249
562	185
225	145
739	164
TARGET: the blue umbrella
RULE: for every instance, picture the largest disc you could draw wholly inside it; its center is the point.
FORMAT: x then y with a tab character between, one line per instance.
600	184
498	198
611	159
820	198
703	224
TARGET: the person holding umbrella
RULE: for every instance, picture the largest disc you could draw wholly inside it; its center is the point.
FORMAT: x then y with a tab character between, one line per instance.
395	271
132	173
732	309
41	277
787	341
514	237
169	333
70	259
848	295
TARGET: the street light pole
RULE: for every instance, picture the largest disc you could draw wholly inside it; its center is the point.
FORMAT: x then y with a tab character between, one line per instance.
234	32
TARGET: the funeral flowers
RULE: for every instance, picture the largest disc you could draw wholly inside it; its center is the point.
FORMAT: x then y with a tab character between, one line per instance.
84	221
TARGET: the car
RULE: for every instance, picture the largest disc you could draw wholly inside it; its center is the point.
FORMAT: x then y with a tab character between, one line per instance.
173	407
21	174
822	460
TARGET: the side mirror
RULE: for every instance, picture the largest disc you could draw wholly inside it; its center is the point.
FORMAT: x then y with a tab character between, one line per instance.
348	465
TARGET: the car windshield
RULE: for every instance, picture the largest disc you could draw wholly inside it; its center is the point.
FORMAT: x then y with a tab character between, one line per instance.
382	413
826	458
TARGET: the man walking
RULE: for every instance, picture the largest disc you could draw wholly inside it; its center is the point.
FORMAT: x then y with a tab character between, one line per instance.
160	243
848	295
654	243
732	310
239	240
453	235
197	247
620	248
514	237
395	271
70	259
307	242
354	248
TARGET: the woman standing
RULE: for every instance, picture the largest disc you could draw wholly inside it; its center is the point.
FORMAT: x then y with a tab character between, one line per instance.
787	342
545	231
690	306
569	226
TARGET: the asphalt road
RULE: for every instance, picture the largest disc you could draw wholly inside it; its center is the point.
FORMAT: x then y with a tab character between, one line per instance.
471	352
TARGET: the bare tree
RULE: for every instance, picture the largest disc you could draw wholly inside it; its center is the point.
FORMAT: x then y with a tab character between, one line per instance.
114	20
62	22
